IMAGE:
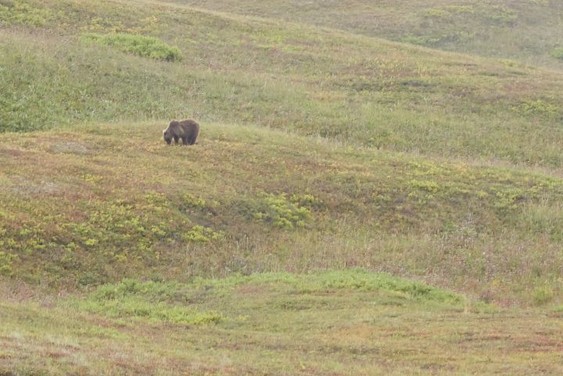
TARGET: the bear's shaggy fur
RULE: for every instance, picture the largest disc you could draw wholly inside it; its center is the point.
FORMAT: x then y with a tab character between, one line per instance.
187	130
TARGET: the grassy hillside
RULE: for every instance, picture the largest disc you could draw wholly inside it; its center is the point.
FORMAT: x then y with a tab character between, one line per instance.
88	206
528	30
337	323
353	205
359	90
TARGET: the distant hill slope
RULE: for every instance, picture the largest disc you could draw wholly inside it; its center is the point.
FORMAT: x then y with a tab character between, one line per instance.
530	31
237	69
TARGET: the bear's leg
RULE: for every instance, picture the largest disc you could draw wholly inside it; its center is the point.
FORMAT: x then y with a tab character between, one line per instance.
176	139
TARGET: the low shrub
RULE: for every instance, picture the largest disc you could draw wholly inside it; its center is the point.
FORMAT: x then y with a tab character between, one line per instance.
557	53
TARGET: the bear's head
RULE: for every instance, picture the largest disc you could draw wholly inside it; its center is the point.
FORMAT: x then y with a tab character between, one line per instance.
167	136
168	133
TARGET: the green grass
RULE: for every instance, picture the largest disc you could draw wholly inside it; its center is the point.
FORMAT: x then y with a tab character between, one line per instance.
557	53
346	323
525	30
162	301
117	203
358	90
152	48
354	205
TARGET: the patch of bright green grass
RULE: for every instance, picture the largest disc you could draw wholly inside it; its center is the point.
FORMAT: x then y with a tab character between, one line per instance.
333	281
143	46
333	322
147	301
170	301
557	53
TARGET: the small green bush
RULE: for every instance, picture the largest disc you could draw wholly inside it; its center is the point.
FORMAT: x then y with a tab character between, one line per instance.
284	212
500	15
543	295
557	53
140	45
538	107
201	234
6	263
18	12
193	202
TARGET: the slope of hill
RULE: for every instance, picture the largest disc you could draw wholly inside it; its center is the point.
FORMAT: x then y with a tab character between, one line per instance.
326	160
530	31
91	205
359	90
330	323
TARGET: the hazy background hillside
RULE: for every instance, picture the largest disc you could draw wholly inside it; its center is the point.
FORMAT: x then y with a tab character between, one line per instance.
241	70
527	30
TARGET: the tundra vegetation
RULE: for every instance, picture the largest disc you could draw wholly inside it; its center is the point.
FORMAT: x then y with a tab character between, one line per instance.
363	197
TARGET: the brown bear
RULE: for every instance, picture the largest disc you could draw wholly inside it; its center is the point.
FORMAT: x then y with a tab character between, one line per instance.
187	130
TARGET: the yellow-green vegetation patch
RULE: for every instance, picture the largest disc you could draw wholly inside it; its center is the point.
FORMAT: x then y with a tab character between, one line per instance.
282	211
20	12
202	234
6	260
92	233
493	14
544	107
140	45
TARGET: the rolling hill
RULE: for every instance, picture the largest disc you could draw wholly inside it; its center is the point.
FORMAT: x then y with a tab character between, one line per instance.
359	90
528	31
